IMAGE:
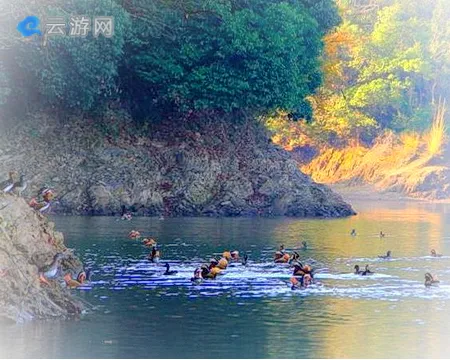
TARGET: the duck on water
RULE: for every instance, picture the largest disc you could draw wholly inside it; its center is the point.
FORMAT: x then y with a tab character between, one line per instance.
387	256
364	272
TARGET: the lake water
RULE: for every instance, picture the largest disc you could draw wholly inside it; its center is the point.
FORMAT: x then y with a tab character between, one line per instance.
251	312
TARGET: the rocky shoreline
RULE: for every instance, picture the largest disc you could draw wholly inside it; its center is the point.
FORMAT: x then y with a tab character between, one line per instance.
28	241
199	167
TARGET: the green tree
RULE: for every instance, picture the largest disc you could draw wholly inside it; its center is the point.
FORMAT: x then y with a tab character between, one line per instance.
384	67
71	72
227	56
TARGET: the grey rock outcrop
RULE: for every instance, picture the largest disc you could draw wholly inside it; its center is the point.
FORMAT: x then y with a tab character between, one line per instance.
196	168
27	242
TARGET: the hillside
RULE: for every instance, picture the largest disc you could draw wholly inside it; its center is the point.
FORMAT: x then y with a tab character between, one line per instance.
400	164
199	167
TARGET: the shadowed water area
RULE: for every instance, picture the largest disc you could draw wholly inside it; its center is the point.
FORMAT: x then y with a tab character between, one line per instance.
250	311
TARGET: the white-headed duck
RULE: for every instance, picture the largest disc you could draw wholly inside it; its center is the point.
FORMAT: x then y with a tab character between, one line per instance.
434	254
198	277
382	235
353	233
387	256
212	263
235	255
431	280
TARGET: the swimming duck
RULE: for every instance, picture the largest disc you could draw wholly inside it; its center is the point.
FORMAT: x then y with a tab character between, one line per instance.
155	255
366	271
50	271
303	283
244	260
210	272
360	272
234	255
382	235
212	263
168	271
7	185
282	258
294	257
198	278
300	270
222	264
295	283
305	245
84	276
431	280
353	233
149	242
134	235
19	186
387	256
434	254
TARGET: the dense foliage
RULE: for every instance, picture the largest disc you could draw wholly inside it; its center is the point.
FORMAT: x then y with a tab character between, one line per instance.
386	66
169	56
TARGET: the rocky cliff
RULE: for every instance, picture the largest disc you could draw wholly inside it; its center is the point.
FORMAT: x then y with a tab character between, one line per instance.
28	242
196	167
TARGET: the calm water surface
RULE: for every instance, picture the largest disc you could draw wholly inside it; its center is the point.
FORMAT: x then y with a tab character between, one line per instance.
251	311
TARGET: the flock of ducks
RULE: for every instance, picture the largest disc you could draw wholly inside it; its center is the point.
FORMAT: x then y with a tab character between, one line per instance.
16	184
430	280
302	276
